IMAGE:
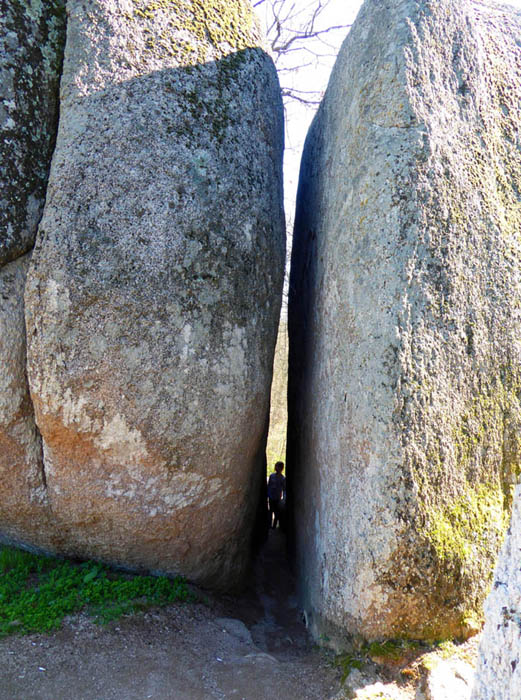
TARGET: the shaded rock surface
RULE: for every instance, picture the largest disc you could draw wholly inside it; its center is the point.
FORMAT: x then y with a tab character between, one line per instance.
32	36
498	674
404	322
154	291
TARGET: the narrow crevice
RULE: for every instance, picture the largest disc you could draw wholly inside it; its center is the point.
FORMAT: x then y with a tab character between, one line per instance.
40	473
275	452
41	460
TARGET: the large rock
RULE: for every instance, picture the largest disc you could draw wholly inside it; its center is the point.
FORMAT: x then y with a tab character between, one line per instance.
32	36
23	506
154	293
498	675
404	322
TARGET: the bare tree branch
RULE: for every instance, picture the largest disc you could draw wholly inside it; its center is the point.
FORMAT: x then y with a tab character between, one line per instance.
295	29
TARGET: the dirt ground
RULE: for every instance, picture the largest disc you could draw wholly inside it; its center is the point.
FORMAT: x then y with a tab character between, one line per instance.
254	647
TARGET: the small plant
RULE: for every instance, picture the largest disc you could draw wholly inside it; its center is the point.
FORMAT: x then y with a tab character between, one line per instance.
36	592
347	662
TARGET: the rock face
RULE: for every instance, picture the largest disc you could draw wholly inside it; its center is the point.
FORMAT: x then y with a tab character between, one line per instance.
32	36
154	290
21	468
404	322
498	675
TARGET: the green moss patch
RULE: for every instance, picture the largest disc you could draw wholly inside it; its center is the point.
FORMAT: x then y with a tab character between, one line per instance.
463	528
37	592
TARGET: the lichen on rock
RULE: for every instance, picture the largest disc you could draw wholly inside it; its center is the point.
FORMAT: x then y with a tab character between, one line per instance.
32	37
404	325
195	31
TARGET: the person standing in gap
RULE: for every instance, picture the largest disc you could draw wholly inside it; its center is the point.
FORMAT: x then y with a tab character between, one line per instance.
276	494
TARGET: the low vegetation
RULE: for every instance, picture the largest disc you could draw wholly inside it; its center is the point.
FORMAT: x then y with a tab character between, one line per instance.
37	592
388	651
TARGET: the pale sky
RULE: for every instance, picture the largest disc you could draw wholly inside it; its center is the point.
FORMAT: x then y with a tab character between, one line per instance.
339	12
315	76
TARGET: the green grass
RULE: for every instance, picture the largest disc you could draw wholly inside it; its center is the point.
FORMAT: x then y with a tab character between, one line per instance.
37	592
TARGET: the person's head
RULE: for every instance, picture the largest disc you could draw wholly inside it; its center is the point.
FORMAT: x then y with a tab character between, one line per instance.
279	467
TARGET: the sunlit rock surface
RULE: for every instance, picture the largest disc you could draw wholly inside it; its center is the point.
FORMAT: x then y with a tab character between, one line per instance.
32	35
498	675
404	322
154	291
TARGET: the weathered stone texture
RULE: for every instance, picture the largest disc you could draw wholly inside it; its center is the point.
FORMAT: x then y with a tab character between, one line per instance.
32	35
498	674
404	321
153	297
448	679
23	504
